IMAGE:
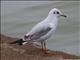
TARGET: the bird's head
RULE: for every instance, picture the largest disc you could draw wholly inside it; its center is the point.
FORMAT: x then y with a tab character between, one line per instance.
56	12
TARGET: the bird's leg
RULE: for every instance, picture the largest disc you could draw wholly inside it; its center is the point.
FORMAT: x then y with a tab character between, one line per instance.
42	45
45	49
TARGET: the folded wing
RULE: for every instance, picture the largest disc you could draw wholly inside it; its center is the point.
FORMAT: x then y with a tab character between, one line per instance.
38	32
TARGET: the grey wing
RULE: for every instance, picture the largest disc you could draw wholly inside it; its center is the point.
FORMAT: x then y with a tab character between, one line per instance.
39	32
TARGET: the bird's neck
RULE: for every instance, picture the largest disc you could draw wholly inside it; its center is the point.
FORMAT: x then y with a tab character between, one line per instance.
51	19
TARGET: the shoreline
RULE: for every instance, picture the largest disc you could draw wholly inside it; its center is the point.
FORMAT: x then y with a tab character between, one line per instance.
29	51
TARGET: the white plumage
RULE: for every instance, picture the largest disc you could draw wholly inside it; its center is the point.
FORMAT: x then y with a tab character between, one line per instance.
44	29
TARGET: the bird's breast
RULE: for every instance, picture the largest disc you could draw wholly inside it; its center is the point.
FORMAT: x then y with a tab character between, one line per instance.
53	25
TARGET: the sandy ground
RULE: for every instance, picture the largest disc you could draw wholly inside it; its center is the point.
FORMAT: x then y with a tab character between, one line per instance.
29	52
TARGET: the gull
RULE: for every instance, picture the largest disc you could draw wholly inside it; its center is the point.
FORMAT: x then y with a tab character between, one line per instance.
43	30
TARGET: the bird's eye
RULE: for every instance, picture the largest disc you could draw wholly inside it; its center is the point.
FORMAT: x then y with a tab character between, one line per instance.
57	12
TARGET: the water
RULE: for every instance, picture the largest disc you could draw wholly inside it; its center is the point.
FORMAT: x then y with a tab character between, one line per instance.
17	18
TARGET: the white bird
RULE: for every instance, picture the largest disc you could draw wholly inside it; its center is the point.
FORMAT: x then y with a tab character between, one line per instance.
43	30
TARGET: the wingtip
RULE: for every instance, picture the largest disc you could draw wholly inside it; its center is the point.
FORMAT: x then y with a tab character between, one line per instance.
19	42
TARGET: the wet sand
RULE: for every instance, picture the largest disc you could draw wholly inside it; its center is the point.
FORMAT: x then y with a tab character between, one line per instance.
29	52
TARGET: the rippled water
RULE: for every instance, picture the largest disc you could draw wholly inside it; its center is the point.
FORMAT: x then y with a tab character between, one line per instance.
17	18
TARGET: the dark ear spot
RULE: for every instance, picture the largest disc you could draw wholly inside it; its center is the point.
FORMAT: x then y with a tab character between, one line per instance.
57	12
